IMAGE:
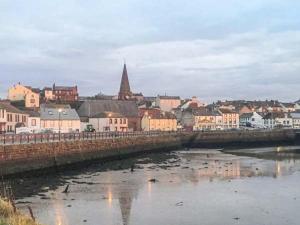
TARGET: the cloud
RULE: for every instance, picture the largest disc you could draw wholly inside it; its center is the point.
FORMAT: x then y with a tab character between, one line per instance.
240	65
213	49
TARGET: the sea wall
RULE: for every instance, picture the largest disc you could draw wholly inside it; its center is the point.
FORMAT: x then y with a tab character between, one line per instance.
21	158
244	138
27	157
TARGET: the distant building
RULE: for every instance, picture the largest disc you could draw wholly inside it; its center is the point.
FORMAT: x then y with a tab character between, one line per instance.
167	103
30	96
109	121
64	94
244	109
194	102
63	119
230	119
128	109
11	117
284	121
296	119
278	120
159	121
252	119
34	121
289	107
207	120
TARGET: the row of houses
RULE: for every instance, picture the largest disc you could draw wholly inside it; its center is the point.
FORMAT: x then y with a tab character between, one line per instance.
271	120
101	115
122	116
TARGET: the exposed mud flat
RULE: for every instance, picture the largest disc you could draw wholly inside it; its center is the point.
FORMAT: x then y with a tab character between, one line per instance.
196	186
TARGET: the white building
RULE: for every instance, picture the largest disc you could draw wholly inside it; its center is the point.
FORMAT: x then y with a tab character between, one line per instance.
278	120
109	121
253	119
296	120
60	119
34	121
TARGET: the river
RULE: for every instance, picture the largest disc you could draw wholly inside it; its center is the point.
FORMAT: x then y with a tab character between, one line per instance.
187	187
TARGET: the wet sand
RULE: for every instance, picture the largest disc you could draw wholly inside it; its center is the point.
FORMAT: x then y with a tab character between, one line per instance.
188	187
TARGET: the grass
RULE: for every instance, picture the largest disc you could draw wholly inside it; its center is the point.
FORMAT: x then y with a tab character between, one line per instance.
9	217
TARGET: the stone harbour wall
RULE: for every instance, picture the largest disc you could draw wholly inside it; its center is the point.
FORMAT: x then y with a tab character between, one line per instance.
22	158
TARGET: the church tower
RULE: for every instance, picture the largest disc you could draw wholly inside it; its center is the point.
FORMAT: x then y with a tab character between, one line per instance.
124	93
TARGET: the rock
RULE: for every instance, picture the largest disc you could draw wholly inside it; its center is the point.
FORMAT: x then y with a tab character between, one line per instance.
153	180
179	204
66	189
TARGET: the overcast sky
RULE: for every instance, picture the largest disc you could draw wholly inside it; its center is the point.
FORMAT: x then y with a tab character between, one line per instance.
212	49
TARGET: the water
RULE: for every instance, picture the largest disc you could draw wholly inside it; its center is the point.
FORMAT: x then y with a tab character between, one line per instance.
254	186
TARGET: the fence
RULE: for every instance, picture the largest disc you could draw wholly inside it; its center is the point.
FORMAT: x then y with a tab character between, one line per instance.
9	139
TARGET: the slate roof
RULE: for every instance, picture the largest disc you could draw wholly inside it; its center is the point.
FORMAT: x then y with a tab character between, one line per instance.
295	115
10	108
108	115
63	88
246	115
53	114
33	113
288	105
205	112
169	97
274	115
226	111
91	108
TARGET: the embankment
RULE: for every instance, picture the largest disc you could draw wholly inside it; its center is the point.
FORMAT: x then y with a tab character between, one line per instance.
28	157
244	138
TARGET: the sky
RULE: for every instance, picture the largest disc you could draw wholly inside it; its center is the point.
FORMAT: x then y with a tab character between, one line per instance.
213	49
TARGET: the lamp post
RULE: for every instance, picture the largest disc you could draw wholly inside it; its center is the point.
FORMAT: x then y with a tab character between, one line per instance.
149	122
109	117
59	125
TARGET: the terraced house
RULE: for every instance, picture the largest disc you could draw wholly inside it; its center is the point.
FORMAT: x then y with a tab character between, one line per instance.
230	119
159	121
11	117
207	120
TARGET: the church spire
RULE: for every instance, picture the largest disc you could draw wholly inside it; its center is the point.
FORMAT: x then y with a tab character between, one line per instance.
124	93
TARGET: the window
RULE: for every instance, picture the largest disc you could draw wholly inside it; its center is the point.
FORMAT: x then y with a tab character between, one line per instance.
32	101
116	121
121	121
124	121
110	121
33	122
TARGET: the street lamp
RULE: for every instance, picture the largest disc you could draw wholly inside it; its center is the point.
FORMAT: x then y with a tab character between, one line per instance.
149	122
109	117
59	125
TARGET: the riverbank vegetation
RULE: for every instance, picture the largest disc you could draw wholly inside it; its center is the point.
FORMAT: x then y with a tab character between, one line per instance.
10	216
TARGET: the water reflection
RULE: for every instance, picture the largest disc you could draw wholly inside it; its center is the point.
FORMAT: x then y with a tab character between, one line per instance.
99	190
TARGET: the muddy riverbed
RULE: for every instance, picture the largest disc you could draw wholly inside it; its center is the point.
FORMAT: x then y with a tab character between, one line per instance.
188	187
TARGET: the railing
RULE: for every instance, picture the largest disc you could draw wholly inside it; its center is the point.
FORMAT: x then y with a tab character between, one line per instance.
14	139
